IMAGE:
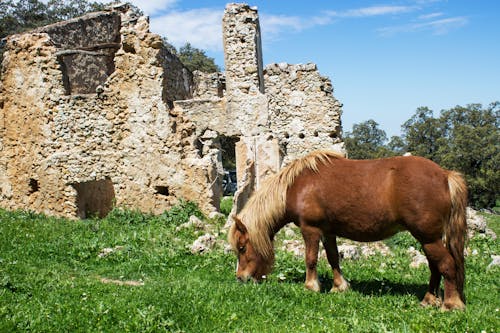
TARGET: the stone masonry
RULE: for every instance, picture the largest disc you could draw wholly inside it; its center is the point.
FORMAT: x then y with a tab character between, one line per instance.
95	112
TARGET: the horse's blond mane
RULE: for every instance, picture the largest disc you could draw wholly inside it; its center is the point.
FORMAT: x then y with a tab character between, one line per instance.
266	206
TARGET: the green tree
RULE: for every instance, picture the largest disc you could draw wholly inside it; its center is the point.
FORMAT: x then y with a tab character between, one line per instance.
196	59
466	139
423	134
396	145
23	15
366	141
473	147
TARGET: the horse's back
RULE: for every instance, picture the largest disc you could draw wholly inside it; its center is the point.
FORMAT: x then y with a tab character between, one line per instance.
371	199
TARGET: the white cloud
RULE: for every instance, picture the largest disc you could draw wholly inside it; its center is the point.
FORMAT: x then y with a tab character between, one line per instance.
201	27
274	24
372	11
437	27
430	16
150	7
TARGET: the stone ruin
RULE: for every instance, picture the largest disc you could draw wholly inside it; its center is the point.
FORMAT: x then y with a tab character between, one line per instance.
95	112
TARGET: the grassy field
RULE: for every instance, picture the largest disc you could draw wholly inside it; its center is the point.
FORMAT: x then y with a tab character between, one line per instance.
55	277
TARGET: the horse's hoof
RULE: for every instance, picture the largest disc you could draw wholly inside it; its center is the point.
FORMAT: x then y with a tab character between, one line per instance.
340	288
313	286
431	300
450	306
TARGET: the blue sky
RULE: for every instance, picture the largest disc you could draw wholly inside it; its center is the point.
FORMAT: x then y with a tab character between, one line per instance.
385	58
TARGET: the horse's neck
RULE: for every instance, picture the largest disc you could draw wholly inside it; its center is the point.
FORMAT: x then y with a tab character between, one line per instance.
277	227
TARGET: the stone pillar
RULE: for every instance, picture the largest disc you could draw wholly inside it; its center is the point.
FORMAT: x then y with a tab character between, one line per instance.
257	157
246	103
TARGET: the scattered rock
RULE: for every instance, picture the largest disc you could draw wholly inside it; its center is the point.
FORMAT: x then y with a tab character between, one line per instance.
108	250
289	232
348	251
418	259
294	246
216	215
371	249
477	224
203	244
193	222
495	262
227	248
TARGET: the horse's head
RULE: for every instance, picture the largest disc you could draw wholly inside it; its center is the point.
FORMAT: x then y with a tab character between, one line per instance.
251	265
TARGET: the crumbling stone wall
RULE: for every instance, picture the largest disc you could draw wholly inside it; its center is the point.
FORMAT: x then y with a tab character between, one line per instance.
85	49
304	113
117	141
96	112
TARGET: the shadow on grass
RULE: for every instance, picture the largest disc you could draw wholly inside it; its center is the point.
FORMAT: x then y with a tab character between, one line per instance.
376	287
366	287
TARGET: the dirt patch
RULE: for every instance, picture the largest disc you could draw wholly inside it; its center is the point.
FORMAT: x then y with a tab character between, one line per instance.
131	283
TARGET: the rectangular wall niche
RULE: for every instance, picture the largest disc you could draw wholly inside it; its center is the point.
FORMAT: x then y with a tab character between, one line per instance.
87	46
94	198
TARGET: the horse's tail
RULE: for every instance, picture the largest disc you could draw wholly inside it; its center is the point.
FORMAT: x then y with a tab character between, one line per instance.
456	229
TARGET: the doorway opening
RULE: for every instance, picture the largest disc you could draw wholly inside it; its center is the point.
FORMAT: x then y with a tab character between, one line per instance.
94	198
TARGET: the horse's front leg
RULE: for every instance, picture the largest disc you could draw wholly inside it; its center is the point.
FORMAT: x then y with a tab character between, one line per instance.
311	237
332	253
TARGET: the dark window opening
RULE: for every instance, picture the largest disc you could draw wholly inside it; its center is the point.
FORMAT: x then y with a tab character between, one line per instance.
221	87
94	198
34	186
199	147
170	104
228	154
162	190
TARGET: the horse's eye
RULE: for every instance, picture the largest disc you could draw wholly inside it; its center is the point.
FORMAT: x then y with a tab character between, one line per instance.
242	249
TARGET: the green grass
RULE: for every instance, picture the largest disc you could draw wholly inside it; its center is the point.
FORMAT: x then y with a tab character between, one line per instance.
226	204
51	271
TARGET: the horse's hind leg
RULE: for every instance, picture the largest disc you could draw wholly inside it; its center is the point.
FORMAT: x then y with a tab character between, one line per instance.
431	297
439	257
332	253
311	238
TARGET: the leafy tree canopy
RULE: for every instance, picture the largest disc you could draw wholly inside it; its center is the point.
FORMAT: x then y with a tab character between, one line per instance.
17	16
466	139
22	15
196	59
366	141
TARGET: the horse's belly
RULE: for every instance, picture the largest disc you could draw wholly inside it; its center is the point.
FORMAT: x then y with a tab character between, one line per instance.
366	232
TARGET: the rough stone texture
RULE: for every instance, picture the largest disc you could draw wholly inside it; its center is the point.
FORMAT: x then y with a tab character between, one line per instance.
96	112
304	113
495	261
86	48
58	148
203	244
476	224
417	258
283	112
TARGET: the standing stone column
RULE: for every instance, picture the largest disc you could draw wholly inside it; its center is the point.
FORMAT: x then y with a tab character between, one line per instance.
257	155
246	103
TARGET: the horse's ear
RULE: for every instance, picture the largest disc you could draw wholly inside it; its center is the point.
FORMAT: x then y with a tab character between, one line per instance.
239	225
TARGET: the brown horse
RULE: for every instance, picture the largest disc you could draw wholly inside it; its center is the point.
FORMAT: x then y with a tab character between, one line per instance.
327	196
